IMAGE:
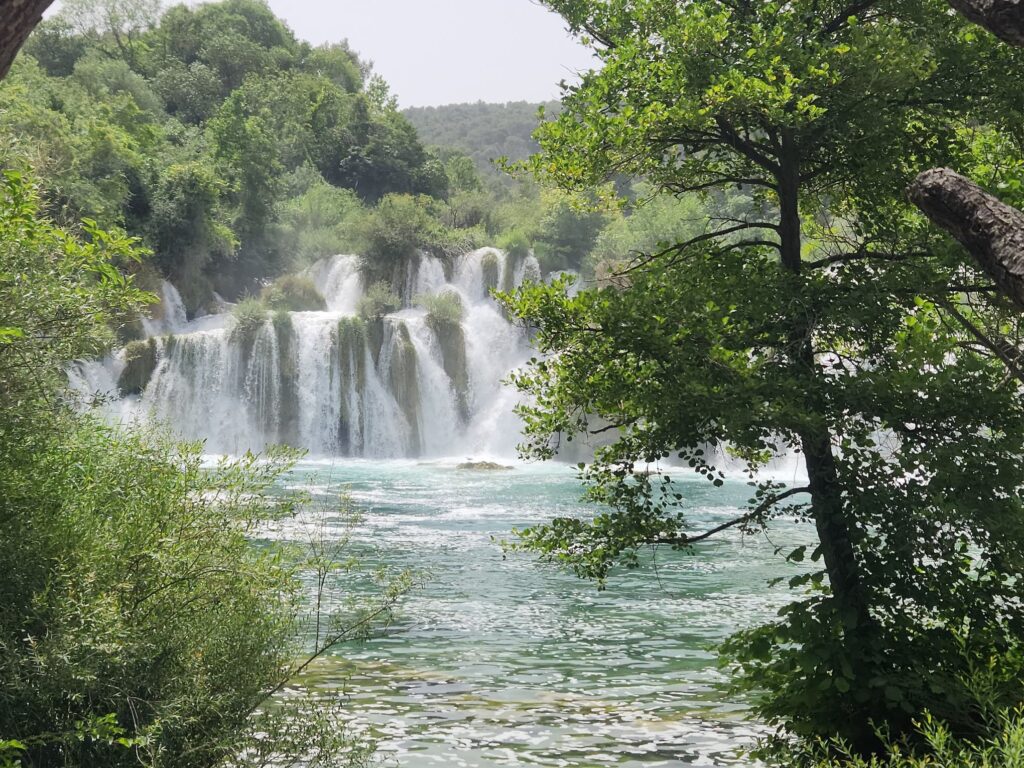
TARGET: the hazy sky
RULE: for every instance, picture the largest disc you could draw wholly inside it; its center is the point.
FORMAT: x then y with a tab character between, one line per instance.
446	51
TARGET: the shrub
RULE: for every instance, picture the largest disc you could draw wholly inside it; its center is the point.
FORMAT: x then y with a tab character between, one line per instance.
140	624
293	293
516	243
398	226
378	301
442	308
248	317
1003	747
401	225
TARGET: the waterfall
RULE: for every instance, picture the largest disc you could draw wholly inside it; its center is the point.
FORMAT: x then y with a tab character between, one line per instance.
339	281
167	316
332	382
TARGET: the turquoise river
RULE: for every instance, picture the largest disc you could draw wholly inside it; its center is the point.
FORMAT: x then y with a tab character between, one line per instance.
506	661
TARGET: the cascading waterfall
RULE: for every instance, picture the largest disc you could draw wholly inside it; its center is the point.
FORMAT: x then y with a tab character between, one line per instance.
333	382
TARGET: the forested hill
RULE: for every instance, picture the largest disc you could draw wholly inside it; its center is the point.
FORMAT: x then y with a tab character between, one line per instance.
239	155
212	133
483	131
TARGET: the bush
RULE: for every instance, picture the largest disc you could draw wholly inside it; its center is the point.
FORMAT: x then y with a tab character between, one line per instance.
516	243
401	225
442	308
248	317
378	301
140	624
293	293
1003	747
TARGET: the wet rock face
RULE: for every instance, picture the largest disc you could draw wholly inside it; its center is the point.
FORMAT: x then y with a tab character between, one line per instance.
140	359
404	384
491	271
452	340
349	360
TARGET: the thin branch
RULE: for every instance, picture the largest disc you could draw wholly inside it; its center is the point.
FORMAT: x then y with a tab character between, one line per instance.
860	255
753	514
1000	348
841	19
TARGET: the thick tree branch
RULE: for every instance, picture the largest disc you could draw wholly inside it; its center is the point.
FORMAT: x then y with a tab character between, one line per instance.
991	230
1003	18
748	149
17	19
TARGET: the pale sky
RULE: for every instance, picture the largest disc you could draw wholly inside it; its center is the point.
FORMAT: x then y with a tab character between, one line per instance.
447	51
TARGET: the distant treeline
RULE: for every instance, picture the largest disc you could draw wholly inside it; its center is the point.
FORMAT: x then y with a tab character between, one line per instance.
483	131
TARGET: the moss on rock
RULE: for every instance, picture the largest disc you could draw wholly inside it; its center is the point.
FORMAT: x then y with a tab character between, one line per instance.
491	271
404	384
288	417
452	340
348	359
293	293
140	359
488	466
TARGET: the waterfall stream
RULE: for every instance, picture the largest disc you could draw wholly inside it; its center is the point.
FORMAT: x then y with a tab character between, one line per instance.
332	382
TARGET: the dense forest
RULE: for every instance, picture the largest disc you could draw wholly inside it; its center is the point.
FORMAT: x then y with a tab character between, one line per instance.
730	270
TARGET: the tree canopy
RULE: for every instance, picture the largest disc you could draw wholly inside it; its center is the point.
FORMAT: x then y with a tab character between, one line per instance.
815	313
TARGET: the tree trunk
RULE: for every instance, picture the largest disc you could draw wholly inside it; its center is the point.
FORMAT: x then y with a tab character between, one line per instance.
1003	18
816	440
992	231
17	19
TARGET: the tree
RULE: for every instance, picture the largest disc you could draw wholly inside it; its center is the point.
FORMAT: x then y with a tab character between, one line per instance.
120	21
814	320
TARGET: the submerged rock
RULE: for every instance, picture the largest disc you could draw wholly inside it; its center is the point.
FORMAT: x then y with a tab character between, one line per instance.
489	466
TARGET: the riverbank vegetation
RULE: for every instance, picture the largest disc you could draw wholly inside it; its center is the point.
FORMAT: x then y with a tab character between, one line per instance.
140	623
238	154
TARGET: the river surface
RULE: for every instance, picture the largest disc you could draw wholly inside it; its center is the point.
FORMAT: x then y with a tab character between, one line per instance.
506	661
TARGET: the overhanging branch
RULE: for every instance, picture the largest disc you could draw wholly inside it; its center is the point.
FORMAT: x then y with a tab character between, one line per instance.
756	512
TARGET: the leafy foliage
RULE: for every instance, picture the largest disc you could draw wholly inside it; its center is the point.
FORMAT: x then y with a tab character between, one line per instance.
294	293
442	308
183	127
379	300
248	316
